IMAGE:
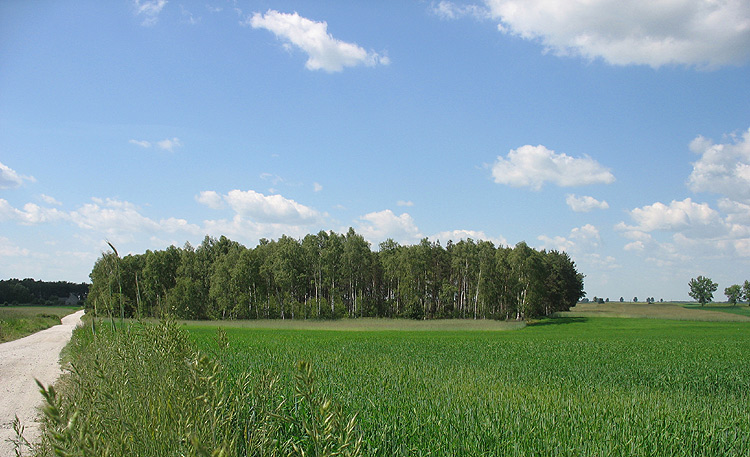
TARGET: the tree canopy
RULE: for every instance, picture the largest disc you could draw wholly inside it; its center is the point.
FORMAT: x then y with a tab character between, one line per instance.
702	289
331	275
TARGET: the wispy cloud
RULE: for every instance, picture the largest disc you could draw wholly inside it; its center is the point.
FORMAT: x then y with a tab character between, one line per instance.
149	10
141	143
10	179
323	50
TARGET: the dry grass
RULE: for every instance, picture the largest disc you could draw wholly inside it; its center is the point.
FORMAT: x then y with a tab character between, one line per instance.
671	311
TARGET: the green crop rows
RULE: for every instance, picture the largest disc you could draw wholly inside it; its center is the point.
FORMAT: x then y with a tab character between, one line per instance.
561	387
595	387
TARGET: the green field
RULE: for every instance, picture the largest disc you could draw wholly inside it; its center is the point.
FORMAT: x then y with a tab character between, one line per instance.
19	321
568	386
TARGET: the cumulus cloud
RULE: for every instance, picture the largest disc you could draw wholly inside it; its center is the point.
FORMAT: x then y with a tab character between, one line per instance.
317	187
121	220
584	203
532	166
149	10
583	244
262	208
677	216
381	225
323	50
10	179
458	235
722	168
211	199
641	32
31	214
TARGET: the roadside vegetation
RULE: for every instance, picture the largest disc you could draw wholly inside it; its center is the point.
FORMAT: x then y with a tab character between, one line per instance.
568	386
19	321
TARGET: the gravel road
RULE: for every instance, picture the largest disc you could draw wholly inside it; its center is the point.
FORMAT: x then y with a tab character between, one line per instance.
21	361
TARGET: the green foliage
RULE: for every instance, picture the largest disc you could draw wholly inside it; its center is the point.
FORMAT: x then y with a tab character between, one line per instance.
144	390
733	293
702	289
331	275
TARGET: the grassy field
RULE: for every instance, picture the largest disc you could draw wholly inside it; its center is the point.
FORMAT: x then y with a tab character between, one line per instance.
19	321
568	386
672	311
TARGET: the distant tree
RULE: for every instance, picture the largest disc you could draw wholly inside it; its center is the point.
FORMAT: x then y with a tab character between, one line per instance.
702	289
733	293
622	299
635	299
746	291
607	300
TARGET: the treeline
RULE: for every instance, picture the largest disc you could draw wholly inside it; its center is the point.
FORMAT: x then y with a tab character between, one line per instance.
29	291
330	275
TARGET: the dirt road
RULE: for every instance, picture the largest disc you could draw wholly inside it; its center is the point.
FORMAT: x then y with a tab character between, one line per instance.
21	361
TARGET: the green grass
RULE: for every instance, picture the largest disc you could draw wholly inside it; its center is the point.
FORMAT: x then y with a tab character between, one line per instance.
666	310
19	321
567	386
365	325
741	309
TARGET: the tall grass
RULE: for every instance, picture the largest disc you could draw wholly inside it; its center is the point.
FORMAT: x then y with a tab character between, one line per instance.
19	321
143	390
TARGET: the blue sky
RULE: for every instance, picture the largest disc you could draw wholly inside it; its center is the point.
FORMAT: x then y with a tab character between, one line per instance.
616	131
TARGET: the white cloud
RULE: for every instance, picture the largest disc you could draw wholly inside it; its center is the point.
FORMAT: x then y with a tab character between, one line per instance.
381	225
8	249
31	214
458	235
211	199
723	168
265	208
120	220
149	10
584	203
169	145
677	216
643	32
10	179
324	52
141	143
583	244
50	200
405	203
532	166
317	187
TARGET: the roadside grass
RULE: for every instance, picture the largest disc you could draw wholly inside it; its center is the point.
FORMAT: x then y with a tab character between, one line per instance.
19	321
666	310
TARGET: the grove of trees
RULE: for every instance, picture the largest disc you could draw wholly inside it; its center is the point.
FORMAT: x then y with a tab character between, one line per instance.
30	291
330	275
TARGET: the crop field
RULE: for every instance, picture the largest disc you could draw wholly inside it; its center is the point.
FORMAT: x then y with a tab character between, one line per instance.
566	386
19	321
